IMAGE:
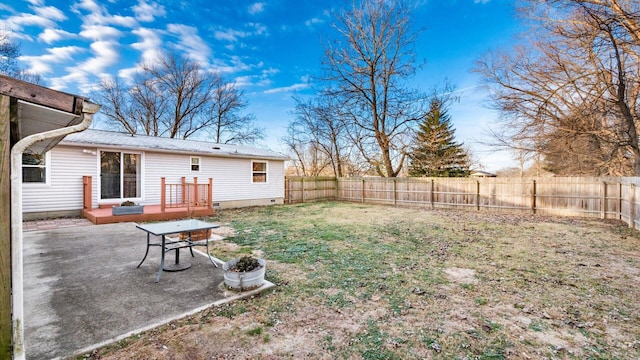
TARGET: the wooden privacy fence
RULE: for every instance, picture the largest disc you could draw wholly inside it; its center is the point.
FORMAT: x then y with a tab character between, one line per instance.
604	197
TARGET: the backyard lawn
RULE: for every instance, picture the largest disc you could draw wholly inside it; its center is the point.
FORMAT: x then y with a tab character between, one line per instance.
380	282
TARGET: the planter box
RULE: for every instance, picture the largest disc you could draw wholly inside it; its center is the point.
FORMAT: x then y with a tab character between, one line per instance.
248	280
127	210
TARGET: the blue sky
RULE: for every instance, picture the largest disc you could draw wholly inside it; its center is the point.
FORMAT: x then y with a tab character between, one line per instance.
269	48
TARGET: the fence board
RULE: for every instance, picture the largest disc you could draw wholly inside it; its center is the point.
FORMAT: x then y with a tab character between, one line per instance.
605	197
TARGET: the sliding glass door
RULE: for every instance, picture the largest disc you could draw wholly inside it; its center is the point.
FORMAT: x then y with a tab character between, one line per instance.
119	175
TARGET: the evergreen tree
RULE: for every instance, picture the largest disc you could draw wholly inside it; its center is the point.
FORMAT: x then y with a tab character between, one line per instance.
435	152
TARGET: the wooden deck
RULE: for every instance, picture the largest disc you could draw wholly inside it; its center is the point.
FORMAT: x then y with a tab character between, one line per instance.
151	213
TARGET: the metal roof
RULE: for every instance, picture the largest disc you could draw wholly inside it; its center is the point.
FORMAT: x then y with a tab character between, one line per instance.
111	139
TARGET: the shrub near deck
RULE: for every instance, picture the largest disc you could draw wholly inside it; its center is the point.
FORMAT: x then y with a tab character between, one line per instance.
378	282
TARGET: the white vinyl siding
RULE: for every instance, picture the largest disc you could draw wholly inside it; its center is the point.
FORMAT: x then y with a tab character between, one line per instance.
232	178
64	190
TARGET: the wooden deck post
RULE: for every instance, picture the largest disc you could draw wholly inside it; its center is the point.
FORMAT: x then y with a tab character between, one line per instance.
195	191
87	193
163	194
5	230
210	194
183	181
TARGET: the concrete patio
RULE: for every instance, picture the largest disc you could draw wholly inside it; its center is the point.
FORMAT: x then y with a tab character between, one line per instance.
83	290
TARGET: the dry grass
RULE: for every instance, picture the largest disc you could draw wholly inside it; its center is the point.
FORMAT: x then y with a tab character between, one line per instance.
377	282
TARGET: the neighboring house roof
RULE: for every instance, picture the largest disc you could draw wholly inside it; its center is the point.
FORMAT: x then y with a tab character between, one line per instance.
111	139
480	173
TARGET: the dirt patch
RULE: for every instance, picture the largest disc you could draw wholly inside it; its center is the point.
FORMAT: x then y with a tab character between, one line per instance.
461	276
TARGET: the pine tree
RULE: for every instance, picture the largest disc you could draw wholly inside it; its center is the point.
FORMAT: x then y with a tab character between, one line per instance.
435	152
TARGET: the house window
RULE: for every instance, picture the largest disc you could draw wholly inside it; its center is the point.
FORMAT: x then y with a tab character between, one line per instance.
34	168
259	171
195	163
120	175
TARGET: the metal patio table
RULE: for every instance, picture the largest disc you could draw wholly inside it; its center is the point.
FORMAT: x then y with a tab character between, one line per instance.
163	229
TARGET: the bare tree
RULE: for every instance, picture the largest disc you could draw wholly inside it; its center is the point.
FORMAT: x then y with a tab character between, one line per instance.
575	83
367	72
229	124
176	98
9	60
317	136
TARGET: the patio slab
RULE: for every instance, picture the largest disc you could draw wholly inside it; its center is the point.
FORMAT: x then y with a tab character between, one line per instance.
82	289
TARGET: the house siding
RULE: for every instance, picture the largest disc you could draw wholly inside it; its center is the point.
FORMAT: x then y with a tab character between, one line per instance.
232	179
64	192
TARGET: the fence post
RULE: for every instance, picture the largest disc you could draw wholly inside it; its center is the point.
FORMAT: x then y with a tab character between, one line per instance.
632	206
478	195
619	201
603	200
533	197
395	188
337	190
163	194
363	190
302	182
432	197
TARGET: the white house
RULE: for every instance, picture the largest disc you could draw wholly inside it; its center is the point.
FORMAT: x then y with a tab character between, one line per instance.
130	167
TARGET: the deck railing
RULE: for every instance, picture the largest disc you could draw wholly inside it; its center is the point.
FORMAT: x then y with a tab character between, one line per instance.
186	195
183	195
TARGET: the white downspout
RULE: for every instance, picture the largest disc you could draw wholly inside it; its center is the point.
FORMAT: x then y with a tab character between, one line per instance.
17	296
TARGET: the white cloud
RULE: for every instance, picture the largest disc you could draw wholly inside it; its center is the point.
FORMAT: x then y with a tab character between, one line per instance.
50	12
150	44
305	84
233	35
98	15
18	22
313	21
235	65
191	43
52	35
43	64
106	54
256	8
100	32
147	12
229	34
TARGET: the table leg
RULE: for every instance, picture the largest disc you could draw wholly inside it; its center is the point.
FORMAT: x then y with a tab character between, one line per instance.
209	254
191	247
145	253
161	260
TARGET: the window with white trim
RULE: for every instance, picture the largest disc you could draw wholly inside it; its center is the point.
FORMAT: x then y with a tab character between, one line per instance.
259	171
195	163
34	167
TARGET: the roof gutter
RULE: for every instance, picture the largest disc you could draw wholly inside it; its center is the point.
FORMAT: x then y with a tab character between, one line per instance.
17	296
